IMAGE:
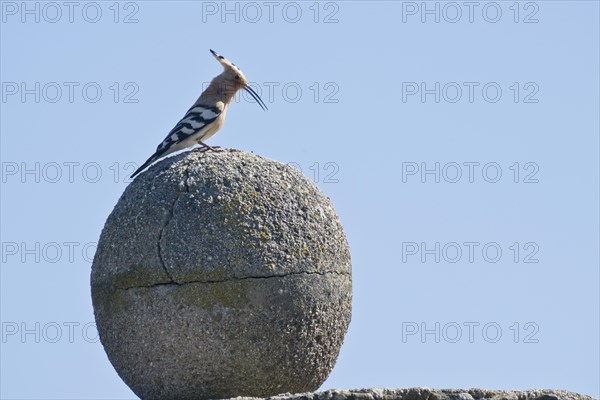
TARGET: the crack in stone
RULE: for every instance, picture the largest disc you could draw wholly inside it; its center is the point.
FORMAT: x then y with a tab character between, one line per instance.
169	219
234	279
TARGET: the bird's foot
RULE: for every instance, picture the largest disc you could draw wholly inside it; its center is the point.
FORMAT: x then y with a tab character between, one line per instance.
210	148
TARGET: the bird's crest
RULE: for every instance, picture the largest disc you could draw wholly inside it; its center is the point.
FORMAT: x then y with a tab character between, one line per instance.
225	62
233	72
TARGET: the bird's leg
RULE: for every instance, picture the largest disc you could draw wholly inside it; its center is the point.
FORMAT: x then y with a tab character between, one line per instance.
206	147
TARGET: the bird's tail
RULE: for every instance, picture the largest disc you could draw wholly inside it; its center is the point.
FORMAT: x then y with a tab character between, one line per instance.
149	161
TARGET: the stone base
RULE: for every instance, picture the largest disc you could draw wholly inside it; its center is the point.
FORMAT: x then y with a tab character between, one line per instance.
431	394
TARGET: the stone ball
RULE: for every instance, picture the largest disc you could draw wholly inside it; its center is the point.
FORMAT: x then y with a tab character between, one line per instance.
222	274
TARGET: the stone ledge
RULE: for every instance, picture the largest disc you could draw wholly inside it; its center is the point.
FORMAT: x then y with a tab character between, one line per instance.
431	394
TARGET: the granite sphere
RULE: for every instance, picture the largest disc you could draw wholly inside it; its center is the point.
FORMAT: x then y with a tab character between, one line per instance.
222	274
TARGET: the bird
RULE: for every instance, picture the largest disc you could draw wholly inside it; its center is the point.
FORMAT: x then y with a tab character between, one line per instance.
207	115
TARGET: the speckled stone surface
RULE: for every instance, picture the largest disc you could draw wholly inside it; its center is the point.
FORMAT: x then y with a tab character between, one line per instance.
432	394
222	274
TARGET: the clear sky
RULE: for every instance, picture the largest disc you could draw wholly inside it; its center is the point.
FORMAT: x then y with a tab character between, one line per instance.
458	141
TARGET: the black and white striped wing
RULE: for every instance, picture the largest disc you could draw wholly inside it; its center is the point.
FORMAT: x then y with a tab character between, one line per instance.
191	125
197	118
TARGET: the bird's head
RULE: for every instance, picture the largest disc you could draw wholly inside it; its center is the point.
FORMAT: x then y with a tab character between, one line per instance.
233	77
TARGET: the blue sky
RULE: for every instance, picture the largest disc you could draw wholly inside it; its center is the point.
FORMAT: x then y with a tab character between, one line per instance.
458	142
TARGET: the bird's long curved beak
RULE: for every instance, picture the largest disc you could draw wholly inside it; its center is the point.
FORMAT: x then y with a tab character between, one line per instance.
256	97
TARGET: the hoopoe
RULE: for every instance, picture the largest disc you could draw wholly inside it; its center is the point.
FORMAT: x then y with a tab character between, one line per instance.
207	115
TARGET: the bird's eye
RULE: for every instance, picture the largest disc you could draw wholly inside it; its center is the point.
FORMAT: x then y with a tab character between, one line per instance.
237	77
